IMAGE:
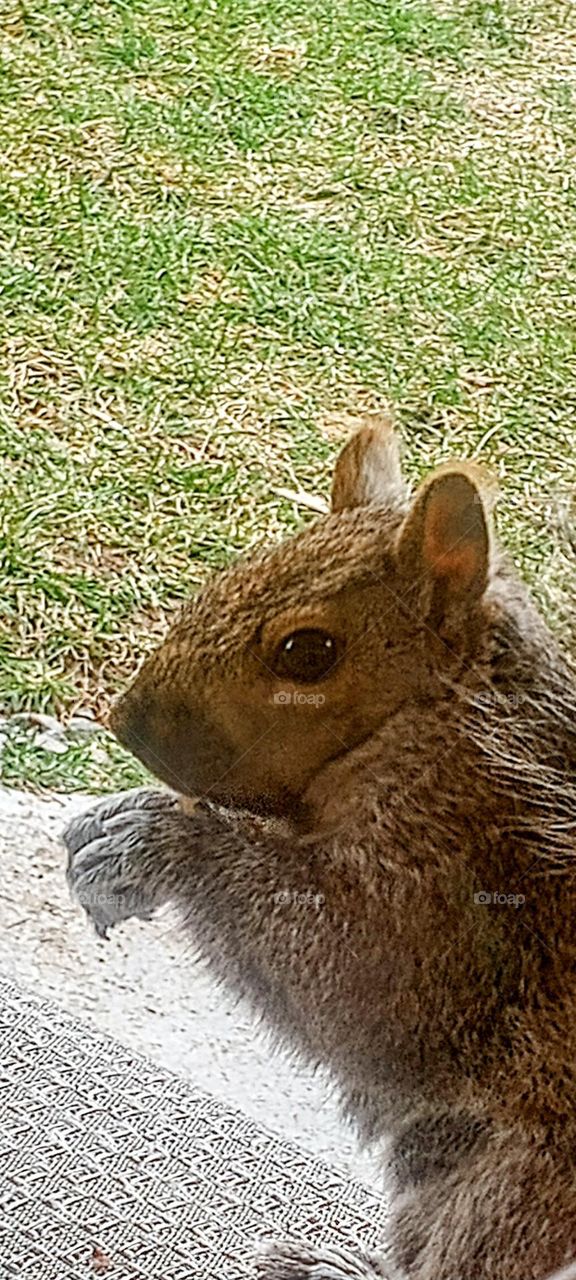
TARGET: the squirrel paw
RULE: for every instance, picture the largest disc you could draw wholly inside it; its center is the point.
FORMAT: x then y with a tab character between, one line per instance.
292	1260
110	848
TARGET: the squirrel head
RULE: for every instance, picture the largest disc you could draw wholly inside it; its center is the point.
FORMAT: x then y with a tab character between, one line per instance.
293	657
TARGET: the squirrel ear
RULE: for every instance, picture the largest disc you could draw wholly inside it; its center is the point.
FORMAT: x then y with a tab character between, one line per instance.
444	543
368	469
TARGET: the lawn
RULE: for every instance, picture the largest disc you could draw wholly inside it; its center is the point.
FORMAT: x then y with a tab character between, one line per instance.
228	227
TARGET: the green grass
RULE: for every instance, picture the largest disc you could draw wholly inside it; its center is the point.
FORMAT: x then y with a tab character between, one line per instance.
97	765
227	227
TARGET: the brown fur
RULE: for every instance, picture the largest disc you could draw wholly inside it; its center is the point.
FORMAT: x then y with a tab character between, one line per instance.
329	871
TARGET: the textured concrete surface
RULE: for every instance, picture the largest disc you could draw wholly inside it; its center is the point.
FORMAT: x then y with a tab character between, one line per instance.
144	987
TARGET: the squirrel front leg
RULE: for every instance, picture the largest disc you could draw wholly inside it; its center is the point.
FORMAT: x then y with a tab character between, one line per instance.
254	896
249	893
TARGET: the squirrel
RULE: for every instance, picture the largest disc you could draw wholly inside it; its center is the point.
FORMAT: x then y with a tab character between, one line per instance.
369	739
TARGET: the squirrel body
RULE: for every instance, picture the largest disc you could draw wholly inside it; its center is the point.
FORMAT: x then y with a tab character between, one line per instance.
374	733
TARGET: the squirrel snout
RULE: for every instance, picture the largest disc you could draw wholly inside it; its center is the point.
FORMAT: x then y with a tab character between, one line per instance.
175	741
130	722
151	733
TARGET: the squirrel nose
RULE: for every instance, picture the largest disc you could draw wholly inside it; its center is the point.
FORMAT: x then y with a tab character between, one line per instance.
157	734
148	735
172	738
129	720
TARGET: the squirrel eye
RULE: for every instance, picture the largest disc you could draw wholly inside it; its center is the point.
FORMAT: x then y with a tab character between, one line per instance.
305	656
